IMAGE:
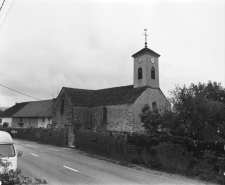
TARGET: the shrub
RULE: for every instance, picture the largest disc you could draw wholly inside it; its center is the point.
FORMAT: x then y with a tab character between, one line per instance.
12	177
5	125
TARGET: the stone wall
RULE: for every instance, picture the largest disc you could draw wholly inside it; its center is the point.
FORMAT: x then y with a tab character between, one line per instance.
119	118
114	144
148	97
108	144
165	156
82	117
61	119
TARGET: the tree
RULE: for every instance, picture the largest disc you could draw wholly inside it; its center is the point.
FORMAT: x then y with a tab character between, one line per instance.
153	121
196	111
199	108
150	118
213	91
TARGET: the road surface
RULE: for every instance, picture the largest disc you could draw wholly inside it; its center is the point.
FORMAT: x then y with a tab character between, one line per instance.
61	165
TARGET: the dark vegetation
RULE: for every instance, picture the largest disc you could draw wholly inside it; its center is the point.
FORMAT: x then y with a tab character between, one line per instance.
197	112
195	122
40	135
15	177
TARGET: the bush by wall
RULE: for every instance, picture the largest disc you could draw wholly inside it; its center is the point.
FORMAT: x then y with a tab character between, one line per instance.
109	144
41	135
168	153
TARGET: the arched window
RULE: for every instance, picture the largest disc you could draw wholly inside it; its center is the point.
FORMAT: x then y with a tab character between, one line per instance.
62	106
139	73
154	107
104	114
153	73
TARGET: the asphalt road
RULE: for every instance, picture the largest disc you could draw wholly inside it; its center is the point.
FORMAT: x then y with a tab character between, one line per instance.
61	165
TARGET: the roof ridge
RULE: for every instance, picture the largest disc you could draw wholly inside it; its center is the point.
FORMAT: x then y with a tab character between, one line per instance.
115	87
98	89
78	89
40	100
146	50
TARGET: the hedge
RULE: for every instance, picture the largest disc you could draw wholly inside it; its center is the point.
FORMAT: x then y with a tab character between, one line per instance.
40	135
176	154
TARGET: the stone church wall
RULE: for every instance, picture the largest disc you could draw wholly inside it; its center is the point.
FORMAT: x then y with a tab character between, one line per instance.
148	97
82	117
65	118
119	118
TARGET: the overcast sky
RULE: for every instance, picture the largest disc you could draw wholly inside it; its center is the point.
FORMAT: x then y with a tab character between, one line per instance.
49	44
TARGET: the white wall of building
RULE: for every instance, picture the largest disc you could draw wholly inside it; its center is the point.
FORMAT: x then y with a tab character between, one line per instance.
8	120
43	122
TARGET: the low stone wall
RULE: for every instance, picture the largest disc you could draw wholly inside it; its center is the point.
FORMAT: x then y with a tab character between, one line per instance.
45	136
164	155
109	144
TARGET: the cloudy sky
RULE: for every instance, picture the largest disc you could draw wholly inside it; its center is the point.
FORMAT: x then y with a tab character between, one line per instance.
49	44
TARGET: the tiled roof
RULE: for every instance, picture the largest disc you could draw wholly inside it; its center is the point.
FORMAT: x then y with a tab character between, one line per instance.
36	109
48	111
117	95
146	50
103	97
80	97
12	110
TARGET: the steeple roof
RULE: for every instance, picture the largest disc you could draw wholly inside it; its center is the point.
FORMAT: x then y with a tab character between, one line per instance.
146	51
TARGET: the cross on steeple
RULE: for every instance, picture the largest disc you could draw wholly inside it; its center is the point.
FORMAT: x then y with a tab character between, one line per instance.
145	34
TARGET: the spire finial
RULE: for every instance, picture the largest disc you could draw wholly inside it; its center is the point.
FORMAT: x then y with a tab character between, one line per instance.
145	34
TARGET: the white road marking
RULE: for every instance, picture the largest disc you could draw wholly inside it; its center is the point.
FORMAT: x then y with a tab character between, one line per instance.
34	154
52	149
70	168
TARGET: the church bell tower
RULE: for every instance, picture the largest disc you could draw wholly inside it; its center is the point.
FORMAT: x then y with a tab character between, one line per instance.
146	67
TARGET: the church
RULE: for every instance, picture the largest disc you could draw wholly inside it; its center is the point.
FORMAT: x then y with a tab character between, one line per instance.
113	109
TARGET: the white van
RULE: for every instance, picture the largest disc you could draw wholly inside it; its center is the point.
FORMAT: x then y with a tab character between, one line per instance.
7	151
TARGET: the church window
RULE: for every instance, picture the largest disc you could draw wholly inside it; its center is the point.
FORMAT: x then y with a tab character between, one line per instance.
62	106
153	73
104	114
140	73
43	119
154	107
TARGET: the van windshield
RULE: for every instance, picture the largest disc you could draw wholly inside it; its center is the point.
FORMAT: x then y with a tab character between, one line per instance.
7	150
